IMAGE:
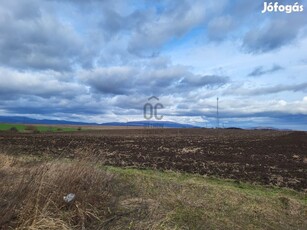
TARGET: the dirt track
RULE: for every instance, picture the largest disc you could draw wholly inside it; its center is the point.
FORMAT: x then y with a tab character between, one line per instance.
267	157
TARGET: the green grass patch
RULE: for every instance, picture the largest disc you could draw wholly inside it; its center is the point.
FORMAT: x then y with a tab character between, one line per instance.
7	127
36	128
191	201
199	180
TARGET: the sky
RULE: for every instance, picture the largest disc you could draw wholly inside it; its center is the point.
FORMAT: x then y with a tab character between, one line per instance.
100	61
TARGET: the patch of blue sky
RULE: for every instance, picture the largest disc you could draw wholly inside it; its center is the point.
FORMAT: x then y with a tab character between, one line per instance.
191	38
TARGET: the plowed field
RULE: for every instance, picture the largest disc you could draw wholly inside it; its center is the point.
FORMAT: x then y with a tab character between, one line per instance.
260	156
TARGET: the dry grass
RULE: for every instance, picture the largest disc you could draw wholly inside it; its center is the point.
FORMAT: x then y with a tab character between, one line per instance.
114	198
32	195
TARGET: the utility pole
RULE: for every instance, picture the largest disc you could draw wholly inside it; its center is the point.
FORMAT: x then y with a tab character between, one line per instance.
217	112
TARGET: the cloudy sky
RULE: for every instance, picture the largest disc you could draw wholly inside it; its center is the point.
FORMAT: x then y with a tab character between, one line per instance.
100	61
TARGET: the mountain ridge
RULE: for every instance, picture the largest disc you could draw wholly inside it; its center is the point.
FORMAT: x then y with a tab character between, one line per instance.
145	123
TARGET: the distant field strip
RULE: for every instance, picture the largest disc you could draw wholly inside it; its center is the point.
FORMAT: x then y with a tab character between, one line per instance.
39	128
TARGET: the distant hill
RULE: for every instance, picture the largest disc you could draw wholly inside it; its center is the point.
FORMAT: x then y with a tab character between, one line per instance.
27	120
269	128
165	124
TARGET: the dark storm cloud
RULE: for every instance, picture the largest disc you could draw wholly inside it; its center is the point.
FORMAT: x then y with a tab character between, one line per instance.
260	70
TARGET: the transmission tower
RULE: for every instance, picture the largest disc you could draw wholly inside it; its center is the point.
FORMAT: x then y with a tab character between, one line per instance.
217	113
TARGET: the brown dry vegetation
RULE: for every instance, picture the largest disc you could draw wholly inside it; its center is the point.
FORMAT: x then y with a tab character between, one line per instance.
32	195
32	190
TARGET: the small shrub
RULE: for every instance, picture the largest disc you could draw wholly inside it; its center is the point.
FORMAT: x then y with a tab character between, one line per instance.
36	131
14	129
32	129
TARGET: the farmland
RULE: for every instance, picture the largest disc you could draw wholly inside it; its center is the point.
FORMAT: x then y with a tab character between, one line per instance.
153	179
264	157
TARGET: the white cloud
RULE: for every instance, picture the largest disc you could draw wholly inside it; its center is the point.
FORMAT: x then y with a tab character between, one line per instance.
103	59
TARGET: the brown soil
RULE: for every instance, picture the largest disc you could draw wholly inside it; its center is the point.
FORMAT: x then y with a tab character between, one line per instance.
262	156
